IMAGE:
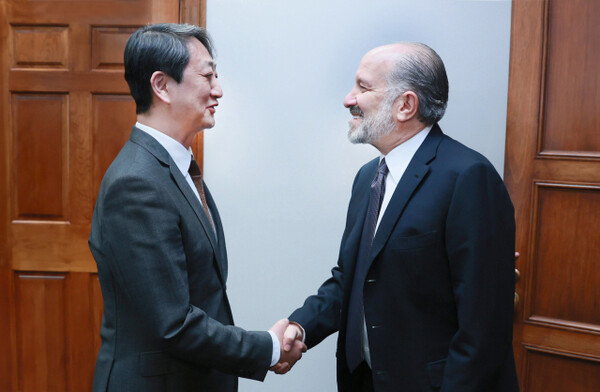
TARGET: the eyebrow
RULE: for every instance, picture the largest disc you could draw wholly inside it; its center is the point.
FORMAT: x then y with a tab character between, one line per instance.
361	81
212	64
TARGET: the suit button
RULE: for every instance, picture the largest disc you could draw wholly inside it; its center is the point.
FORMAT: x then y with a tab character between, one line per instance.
371	280
375	326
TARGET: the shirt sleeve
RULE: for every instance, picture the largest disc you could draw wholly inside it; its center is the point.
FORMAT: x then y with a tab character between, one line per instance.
276	349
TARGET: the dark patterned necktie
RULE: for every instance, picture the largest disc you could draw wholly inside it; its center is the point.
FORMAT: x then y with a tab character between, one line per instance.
354	327
196	175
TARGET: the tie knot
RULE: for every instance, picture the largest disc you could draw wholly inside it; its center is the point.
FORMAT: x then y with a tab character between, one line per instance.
194	169
382	170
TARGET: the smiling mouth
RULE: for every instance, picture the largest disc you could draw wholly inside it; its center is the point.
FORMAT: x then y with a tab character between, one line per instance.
356	112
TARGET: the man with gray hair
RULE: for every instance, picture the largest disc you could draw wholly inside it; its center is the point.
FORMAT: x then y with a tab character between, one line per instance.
158	240
422	294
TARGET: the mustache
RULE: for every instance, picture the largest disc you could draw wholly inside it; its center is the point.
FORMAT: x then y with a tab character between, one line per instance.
356	111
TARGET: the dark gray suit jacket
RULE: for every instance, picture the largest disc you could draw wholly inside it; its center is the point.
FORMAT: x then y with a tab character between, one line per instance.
438	297
167	323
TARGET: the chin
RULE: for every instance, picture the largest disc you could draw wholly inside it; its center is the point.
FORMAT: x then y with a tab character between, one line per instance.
208	125
355	136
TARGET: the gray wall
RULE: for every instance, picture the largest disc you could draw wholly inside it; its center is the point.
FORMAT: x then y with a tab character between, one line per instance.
278	161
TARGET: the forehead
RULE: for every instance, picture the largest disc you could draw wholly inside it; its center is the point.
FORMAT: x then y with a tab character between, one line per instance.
199	56
373	69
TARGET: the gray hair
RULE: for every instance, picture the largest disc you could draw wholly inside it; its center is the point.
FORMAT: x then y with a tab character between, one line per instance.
421	71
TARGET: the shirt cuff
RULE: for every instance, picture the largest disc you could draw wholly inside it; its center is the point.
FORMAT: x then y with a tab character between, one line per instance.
276	349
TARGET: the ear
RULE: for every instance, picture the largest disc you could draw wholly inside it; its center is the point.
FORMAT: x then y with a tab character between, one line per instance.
408	106
160	86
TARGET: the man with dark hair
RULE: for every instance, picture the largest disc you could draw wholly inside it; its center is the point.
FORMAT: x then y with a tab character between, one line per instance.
422	294
158	240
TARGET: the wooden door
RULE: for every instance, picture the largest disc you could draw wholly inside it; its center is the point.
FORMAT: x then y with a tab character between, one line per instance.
553	174
65	113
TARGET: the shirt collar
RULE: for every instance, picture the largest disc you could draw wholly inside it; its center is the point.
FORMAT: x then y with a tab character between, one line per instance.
180	155
398	159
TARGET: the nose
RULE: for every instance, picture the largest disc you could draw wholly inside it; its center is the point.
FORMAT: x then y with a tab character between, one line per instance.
216	90
350	99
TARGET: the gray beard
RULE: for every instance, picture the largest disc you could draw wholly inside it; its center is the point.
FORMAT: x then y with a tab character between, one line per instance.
373	128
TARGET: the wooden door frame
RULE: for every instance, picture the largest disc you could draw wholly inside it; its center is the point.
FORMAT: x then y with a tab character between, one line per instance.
7	375
521	143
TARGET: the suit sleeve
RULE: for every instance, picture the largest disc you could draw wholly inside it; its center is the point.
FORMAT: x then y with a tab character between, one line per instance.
480	236
320	314
143	242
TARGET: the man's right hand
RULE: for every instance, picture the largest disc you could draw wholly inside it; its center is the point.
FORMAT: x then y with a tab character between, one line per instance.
292	334
291	352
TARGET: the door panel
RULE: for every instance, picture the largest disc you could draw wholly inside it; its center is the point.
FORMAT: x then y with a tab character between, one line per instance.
564	285
40	152
553	174
562	372
41	331
65	112
571	80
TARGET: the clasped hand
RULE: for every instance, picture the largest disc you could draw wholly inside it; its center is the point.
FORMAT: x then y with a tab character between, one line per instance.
292	347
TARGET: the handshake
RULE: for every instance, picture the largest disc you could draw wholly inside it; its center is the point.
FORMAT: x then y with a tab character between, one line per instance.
290	337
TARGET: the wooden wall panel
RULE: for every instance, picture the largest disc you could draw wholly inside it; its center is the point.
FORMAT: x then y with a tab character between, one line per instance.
40	327
97	307
59	80
113	116
80	331
40	46
40	134
571	96
42	247
107	46
566	275
88	12
549	371
7	340
7	327
80	162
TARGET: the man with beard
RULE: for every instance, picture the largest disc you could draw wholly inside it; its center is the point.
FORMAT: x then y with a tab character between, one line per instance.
422	294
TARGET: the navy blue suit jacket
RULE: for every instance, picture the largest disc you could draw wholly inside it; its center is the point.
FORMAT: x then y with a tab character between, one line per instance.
167	323
438	296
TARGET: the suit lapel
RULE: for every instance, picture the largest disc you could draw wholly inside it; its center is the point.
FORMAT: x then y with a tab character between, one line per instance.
155	148
195	204
415	173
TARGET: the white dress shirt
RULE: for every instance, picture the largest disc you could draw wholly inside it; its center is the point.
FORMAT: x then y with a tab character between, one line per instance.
397	161
180	155
183	157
